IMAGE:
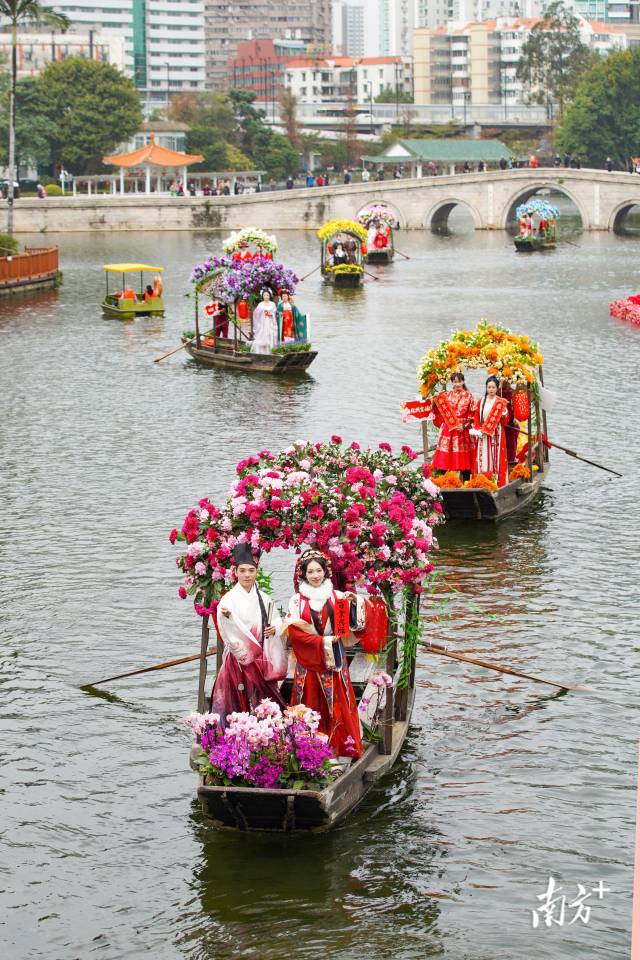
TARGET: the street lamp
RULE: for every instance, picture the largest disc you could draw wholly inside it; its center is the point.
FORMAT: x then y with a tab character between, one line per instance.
503	72
466	98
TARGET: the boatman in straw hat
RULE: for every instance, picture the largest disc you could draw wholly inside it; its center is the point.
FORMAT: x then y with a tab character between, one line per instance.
254	657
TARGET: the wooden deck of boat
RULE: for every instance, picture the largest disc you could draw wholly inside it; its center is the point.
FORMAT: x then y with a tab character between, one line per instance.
492	505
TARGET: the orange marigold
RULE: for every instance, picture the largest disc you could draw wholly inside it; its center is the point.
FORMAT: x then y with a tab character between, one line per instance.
480	482
447	481
520	472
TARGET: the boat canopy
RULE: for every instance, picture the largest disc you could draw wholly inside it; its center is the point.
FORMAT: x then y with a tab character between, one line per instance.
130	267
538	207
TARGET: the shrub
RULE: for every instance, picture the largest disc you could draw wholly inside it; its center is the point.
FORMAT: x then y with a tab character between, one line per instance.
8	244
53	190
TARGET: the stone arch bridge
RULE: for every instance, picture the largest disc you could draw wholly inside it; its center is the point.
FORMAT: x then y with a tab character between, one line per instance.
602	200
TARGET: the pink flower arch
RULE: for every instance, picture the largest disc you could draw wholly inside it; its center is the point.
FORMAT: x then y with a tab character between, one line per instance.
371	510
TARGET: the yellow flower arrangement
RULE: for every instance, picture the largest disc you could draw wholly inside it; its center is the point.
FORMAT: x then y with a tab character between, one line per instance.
328	230
487	347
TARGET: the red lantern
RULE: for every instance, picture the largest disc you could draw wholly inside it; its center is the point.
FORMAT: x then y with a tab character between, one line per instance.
363	248
374	635
242	310
521	405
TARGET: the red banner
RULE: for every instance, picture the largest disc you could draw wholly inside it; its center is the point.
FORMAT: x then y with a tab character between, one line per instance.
416	410
446	411
341	617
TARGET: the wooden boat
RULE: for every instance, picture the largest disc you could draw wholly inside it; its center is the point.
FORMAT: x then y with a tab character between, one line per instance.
213	350
479	503
141	304
350	238
227	352
537	219
461	504
379	216
255	808
36	268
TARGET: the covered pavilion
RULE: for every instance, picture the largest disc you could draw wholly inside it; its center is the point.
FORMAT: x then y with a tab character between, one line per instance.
156	159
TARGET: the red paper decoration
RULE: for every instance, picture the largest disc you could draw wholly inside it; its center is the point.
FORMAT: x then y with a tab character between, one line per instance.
374	635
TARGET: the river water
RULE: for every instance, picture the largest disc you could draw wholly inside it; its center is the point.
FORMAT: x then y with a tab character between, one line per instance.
501	784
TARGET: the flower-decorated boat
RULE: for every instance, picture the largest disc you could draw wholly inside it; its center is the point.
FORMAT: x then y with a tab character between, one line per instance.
245	315
379	221
372	514
628	309
516	363
537	225
127	303
343	247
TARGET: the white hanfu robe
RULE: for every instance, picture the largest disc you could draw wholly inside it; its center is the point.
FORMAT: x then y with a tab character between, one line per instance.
250	667
265	327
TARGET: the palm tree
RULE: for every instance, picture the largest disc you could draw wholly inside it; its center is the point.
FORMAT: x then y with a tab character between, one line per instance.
21	13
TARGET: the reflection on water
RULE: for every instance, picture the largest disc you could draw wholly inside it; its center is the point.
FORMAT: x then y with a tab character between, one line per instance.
502	783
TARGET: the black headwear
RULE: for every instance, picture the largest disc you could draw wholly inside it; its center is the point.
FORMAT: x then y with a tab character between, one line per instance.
242	553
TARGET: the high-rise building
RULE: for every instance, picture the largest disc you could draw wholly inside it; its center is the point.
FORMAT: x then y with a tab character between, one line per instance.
348	27
164	39
230	21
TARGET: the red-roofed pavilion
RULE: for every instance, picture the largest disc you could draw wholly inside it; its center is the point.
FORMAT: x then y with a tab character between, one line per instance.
153	156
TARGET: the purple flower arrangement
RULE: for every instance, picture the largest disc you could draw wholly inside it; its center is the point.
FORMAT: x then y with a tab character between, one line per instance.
232	279
268	747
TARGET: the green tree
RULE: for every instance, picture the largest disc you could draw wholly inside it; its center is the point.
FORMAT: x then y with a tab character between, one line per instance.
604	118
391	95
20	13
94	108
279	158
554	58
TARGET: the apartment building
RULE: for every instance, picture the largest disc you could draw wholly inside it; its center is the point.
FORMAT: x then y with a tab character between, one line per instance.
476	62
318	80
228	22
37	48
164	42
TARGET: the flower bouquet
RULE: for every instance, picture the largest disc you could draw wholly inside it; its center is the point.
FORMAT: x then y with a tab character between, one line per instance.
328	230
268	747
377	211
344	268
627	309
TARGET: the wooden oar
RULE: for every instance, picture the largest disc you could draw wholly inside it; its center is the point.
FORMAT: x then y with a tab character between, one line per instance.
369	274
443	652
310	272
571	453
156	666
401	253
181	347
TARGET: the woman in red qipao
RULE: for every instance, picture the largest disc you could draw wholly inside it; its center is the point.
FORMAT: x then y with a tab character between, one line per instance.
453	412
491	415
321	680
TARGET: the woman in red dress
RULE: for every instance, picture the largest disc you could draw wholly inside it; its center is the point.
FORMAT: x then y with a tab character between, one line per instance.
453	412
491	415
321	679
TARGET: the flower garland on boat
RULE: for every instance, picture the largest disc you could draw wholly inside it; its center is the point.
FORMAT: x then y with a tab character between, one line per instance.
250	235
377	211
489	347
329	229
537	207
230	280
627	309
267	747
343	268
372	511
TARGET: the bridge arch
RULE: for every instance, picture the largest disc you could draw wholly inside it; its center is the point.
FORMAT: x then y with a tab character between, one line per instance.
438	215
619	214
525	193
383	203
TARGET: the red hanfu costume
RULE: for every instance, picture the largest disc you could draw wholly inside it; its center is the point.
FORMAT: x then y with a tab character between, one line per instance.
321	678
491	414
455	449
